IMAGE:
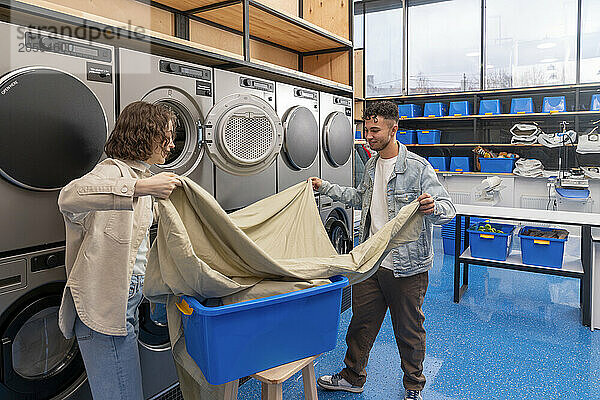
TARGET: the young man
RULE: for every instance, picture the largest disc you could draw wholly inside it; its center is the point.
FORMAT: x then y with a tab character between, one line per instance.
393	178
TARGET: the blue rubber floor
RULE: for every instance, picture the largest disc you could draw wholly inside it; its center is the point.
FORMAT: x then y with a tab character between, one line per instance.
514	335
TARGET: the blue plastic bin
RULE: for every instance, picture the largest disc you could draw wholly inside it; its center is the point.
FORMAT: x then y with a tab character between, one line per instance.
545	252
410	110
521	106
407	136
497	164
554	104
439	163
490	107
461	164
435	110
449	233
595	103
491	246
357	135
237	340
431	136
458	108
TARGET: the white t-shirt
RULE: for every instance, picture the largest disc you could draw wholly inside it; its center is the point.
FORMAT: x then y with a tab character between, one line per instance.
379	208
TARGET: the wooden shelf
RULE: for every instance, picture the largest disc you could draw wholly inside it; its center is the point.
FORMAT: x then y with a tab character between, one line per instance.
501	116
475	173
483	145
265	23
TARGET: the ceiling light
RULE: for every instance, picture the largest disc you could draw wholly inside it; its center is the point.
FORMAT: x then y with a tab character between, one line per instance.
547	45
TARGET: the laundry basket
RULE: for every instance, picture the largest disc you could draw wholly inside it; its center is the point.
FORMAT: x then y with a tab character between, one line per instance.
237	340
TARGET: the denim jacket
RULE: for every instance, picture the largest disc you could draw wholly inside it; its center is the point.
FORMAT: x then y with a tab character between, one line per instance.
412	176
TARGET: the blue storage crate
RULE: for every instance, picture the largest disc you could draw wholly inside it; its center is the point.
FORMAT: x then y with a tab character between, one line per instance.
595	103
497	164
490	107
407	137
410	110
357	135
491	246
461	164
439	163
431	136
435	110
554	104
545	252
458	108
521	106
237	340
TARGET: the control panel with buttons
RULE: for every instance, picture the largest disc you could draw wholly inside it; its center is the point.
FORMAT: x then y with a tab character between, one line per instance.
47	261
39	42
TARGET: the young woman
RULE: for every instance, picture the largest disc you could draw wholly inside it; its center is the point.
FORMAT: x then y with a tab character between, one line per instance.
108	213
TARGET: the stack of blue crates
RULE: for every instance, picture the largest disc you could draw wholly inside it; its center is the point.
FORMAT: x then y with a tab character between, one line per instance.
435	110
449	233
410	110
554	104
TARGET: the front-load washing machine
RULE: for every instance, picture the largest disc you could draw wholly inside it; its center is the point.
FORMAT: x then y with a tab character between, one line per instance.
187	90
298	160
243	135
337	144
56	109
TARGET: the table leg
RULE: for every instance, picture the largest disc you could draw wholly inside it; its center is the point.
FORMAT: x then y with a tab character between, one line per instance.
263	391
457	254
231	390
310	383
586	281
274	391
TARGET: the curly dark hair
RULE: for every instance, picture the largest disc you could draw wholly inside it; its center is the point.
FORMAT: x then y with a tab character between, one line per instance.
385	109
139	129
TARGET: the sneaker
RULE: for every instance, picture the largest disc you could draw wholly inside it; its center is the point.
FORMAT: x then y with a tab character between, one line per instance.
412	395
336	382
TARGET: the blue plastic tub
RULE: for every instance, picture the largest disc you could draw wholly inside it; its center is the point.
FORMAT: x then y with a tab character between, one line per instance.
410	110
490	107
491	246
407	137
431	136
554	104
595	103
439	163
521	106
497	164
458	108
357	135
237	340
461	164
449	245
435	110
545	252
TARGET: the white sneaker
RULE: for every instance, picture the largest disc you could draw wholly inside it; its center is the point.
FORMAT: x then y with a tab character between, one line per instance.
412	395
336	382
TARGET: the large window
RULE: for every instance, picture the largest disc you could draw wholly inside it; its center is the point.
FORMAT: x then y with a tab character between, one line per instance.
443	54
530	42
383	48
359	26
590	41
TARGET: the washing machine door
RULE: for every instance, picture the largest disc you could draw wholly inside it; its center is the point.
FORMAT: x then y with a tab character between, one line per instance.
338	139
243	134
301	138
188	151
37	361
338	234
53	128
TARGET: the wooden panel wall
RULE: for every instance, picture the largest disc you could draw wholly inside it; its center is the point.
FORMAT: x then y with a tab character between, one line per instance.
273	55
329	14
359	85
334	66
127	11
287	6
215	37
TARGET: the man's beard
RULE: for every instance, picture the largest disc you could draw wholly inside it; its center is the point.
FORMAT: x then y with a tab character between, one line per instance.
380	145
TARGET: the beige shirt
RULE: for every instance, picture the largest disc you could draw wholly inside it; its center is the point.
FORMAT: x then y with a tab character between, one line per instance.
105	225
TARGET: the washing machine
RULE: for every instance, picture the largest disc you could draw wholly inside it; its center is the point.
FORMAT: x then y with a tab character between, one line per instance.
243	136
186	89
56	109
337	144
298	159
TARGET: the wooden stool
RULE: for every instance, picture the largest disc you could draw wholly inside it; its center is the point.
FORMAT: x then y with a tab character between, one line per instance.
272	380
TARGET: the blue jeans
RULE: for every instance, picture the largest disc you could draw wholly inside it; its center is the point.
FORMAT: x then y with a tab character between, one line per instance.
112	363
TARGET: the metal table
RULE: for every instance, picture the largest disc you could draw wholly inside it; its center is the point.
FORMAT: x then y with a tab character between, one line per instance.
579	268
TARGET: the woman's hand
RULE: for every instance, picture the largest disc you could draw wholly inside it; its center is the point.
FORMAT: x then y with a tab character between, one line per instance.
160	185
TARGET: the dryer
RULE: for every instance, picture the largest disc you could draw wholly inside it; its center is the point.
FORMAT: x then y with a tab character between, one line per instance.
56	109
186	89
243	136
298	109
337	144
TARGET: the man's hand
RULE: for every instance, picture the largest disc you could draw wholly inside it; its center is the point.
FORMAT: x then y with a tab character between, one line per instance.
427	203
316	183
160	185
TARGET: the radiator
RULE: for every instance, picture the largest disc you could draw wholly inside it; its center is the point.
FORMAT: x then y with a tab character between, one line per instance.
460	197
